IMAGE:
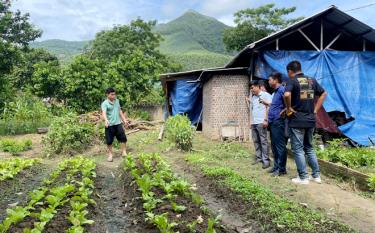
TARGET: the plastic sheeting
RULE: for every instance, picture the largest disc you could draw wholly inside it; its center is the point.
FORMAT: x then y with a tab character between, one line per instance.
348	78
186	98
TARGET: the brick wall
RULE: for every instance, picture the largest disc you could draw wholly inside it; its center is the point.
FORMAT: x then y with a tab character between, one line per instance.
224	100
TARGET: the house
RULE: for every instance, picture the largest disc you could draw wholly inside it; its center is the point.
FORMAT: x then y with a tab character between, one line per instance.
333	47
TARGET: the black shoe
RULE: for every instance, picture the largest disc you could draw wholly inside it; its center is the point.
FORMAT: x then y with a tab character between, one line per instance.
283	173
265	166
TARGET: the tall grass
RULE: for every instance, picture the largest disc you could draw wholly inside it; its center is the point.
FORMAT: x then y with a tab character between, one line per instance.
24	115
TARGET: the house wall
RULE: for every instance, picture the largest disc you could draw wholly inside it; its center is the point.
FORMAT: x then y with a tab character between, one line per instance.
223	101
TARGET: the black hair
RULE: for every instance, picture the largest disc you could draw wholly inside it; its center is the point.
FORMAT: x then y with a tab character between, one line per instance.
262	83
109	90
277	76
255	83
294	66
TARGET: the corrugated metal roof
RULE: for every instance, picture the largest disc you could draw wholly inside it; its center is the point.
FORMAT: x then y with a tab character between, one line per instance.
332	15
197	73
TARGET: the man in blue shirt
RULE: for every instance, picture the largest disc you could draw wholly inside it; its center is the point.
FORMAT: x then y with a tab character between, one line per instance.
277	126
259	123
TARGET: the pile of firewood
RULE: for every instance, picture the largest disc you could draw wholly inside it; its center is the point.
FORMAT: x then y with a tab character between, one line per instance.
133	124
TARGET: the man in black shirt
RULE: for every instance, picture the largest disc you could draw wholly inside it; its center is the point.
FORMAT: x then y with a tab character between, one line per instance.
299	97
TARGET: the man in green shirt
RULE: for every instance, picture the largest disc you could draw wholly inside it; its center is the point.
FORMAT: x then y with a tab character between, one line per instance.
112	115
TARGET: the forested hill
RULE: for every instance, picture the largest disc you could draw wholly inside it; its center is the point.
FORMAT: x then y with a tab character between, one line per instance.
193	39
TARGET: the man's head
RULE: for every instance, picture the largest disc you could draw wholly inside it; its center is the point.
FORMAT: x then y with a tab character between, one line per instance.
111	93
293	68
275	80
262	85
255	88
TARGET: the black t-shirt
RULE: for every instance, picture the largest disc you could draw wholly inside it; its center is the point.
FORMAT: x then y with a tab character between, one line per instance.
303	92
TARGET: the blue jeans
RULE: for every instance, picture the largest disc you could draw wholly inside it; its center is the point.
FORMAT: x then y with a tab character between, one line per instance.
301	141
278	145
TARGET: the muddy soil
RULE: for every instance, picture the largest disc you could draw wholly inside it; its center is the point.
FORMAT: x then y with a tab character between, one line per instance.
117	210
16	191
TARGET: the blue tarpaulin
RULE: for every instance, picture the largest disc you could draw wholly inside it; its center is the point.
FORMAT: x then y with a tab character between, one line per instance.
186	97
348	78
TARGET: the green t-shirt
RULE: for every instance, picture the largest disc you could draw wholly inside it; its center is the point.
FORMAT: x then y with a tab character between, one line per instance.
112	111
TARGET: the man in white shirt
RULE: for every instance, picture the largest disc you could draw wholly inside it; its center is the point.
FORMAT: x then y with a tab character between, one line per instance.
259	122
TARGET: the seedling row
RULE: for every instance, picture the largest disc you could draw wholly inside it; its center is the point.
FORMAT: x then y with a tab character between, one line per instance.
68	187
169	203
11	167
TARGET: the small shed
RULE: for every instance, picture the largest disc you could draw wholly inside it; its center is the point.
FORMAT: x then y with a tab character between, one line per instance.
212	98
332	46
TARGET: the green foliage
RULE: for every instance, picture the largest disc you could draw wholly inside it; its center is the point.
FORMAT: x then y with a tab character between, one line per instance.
179	130
15	146
46	79
22	72
15	32
11	167
199	59
192	31
139	114
24	115
84	84
267	206
68	135
371	182
45	202
63	50
151	173
253	24
350	157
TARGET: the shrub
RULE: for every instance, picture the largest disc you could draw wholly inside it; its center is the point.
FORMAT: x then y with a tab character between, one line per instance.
15	147
67	135
179	130
371	182
24	115
139	114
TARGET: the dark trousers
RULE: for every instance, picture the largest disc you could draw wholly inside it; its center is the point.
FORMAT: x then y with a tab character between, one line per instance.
260	140
278	144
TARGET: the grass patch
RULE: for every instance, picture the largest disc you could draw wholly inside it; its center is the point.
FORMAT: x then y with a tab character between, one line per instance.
271	208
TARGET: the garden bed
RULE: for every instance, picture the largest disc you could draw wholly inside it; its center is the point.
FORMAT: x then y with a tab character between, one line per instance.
169	202
59	204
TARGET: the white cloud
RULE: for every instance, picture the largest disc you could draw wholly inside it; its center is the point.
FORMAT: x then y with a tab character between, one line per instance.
82	19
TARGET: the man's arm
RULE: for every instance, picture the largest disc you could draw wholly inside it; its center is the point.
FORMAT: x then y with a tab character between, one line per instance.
104	115
123	118
288	103
320	101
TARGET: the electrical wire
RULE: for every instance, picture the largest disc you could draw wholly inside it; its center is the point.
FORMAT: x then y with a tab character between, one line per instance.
361	7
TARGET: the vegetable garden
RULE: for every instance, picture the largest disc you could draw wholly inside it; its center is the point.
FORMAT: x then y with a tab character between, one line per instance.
184	183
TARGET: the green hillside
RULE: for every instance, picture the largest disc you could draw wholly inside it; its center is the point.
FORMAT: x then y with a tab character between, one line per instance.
193	39
64	50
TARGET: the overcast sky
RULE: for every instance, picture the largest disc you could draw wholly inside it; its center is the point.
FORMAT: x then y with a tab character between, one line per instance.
81	19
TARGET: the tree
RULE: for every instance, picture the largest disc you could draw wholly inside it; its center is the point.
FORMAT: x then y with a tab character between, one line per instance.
22	72
134	76
124	39
84	83
46	80
254	24
15	32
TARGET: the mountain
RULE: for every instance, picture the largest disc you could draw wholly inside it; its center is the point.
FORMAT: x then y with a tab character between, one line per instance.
193	39
64	50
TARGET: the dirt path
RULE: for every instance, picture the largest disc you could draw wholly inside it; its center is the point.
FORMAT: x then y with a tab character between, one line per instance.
113	213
